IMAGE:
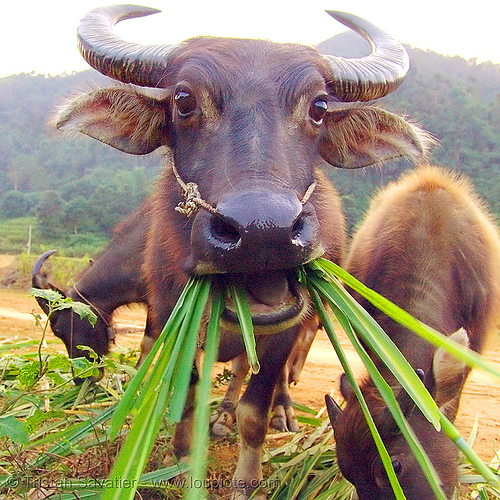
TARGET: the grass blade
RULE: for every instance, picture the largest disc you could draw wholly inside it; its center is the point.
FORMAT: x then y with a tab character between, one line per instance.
129	398
239	297
70	437
160	476
173	340
466	355
156	393
134	453
393	406
381	345
396	313
452	432
155	479
384	456
202	406
184	358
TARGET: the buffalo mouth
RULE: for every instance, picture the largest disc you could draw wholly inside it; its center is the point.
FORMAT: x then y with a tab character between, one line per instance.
276	301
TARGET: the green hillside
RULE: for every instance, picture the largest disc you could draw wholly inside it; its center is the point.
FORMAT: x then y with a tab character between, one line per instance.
14	234
457	101
76	190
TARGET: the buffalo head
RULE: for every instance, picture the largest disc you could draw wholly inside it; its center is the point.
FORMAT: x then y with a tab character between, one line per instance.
246	124
66	324
357	455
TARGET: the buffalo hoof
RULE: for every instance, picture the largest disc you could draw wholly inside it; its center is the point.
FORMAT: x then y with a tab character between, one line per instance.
284	419
247	493
223	422
221	430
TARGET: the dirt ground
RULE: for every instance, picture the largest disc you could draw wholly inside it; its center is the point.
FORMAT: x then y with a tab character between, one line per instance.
481	399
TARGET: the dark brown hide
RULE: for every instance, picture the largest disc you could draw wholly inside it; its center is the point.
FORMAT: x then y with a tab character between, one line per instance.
427	244
112	280
283	416
249	122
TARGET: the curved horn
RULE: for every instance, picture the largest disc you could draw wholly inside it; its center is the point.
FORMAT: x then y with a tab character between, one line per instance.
38	280
144	65
369	77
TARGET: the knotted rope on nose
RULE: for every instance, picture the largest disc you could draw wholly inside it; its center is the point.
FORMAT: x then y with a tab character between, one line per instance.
308	193
194	201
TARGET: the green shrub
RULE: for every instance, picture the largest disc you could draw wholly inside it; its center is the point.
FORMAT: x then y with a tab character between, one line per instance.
13	204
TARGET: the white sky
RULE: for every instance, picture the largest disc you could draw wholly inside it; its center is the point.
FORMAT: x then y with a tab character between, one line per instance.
40	36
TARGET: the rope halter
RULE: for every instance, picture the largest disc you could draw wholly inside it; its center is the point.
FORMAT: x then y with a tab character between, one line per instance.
110	332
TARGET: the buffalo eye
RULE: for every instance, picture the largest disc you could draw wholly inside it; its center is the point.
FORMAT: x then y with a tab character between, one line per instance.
380	475
318	110
396	465
185	103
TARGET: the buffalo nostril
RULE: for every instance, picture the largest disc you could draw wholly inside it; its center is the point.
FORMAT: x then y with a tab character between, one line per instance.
298	227
224	231
304	231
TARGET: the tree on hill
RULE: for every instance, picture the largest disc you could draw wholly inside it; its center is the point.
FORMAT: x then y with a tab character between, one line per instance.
77	214
50	215
13	205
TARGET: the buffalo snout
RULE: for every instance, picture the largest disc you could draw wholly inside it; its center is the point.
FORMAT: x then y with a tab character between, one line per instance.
255	231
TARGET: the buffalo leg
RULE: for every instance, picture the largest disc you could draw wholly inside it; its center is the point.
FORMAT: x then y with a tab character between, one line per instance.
283	415
225	418
301	349
284	418
148	341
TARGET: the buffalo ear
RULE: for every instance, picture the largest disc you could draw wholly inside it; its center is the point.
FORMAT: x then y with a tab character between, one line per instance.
405	401
450	374
333	409
359	137
121	117
345	387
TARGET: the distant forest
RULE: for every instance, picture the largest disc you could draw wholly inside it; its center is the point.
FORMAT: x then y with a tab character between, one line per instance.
78	186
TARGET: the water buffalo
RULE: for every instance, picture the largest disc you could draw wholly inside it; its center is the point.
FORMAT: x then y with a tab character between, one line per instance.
114	279
428	245
247	124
